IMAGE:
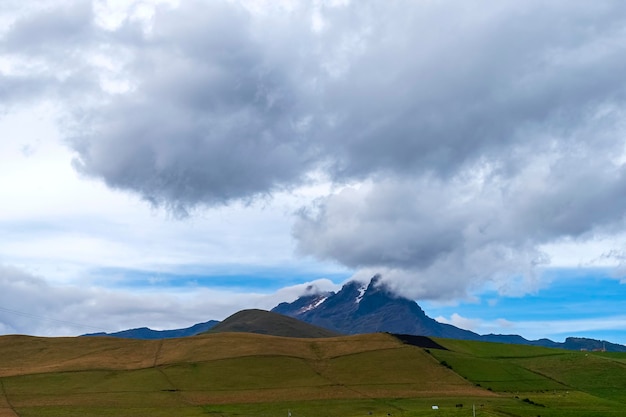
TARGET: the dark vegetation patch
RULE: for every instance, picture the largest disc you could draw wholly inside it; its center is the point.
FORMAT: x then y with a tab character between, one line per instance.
419	341
529	401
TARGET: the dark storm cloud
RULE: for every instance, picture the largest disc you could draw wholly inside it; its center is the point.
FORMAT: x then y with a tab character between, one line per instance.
477	227
210	118
437	86
481	131
223	108
484	132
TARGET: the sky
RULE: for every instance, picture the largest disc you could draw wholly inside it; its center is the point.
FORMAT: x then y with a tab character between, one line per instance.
164	163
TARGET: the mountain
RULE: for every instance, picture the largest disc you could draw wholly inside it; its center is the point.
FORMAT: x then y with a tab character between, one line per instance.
149	334
356	309
359	308
369	308
570	343
265	322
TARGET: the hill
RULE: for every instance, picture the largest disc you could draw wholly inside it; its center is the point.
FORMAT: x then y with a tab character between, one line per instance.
265	322
90	376
244	374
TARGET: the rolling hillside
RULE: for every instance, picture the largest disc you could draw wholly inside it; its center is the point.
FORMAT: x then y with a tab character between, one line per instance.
243	374
266	322
66	376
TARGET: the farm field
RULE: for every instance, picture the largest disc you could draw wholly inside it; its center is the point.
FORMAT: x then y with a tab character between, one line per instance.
241	374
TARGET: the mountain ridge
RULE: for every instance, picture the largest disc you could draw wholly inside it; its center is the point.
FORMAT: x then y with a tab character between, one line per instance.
145	333
369	308
359	308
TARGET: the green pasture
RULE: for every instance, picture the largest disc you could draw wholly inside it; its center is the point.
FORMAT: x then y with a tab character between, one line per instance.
576	406
559	382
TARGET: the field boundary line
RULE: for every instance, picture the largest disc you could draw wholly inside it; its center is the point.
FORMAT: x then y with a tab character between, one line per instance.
159	368
157	354
6	397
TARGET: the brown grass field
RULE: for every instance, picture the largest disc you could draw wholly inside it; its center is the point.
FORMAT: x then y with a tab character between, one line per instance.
40	375
246	375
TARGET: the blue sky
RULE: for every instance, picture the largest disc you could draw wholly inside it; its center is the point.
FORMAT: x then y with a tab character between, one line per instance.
574	302
164	163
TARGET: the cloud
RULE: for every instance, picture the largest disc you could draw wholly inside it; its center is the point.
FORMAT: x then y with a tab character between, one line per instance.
460	139
29	304
222	107
291	293
461	322
54	30
211	116
493	143
479	226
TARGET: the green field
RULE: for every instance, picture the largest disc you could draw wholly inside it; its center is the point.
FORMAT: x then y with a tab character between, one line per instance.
240	375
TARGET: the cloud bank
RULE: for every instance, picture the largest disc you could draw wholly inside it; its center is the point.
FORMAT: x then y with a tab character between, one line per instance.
29	304
460	138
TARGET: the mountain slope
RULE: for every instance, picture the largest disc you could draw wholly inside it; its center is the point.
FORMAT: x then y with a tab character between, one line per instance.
265	322
357	308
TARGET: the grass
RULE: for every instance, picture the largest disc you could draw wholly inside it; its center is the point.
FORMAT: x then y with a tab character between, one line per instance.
240	375
511	368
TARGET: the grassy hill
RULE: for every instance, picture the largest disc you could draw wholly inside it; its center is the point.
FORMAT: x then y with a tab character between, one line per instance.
242	374
267	322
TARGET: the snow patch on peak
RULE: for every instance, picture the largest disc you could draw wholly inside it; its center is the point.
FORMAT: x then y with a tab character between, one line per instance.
316	303
319	302
361	294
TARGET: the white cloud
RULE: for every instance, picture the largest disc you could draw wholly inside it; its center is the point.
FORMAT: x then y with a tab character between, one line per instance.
461	322
32	305
62	226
